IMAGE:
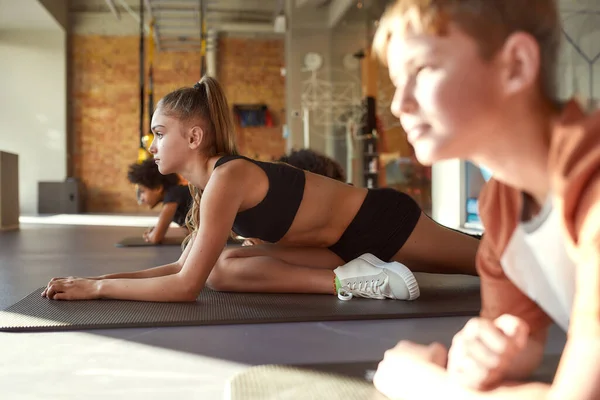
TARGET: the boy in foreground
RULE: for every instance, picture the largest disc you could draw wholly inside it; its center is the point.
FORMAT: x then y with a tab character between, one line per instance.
476	80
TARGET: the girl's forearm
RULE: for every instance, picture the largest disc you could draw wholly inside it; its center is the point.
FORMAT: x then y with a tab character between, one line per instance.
168	288
163	270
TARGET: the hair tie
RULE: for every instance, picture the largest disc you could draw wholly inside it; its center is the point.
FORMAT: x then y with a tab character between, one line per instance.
197	85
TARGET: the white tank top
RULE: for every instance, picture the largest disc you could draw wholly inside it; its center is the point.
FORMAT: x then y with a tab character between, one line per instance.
536	261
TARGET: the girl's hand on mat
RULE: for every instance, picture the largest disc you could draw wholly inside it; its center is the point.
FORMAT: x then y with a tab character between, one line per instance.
399	362
54	280
483	351
72	289
148	233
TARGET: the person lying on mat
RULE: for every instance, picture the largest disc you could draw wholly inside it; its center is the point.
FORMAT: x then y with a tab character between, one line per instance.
476	80
312	161
324	236
154	188
315	162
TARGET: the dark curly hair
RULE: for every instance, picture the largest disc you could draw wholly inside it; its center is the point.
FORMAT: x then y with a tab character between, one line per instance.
148	175
315	162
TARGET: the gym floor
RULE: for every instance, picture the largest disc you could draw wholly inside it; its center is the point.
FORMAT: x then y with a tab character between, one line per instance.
148	363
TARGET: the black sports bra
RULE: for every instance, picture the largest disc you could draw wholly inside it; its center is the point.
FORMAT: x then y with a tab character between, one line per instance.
270	219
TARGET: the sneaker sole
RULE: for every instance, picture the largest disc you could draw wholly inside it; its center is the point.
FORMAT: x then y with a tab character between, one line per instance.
400	269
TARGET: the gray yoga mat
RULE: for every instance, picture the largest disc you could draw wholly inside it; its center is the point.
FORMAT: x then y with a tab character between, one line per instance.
339	381
140	242
168	241
441	296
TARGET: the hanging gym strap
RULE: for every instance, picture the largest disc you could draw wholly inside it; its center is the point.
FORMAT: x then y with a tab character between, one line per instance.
142	94
150	78
149	136
202	12
143	153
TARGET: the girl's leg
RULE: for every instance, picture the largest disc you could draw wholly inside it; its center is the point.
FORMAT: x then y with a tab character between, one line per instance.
275	269
435	248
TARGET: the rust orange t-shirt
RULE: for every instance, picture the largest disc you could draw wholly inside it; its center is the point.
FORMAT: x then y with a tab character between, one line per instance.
547	268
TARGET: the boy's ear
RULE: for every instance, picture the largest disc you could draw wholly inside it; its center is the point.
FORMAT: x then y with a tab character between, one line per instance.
520	62
195	137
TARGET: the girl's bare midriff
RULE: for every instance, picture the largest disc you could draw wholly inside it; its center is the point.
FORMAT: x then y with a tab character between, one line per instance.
327	208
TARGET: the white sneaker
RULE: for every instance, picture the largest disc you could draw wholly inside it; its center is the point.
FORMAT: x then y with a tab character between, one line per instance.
368	276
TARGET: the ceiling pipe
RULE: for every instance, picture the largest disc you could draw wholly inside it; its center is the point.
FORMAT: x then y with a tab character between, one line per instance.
211	53
113	9
155	33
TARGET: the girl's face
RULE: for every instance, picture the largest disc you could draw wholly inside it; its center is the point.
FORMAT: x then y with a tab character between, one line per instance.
170	146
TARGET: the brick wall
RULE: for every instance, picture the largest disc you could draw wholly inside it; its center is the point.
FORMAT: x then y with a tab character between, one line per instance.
251	73
105	105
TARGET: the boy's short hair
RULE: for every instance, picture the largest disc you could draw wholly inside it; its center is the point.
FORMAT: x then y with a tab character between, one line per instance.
147	174
315	162
488	22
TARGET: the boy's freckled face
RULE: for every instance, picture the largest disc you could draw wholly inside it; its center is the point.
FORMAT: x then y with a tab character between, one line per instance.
446	94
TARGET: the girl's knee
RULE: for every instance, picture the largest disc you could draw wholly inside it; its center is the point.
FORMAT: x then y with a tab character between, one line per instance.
223	275
242	251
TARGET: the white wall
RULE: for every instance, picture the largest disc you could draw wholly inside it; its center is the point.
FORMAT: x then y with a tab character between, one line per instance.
34	107
310	30
58	10
307	32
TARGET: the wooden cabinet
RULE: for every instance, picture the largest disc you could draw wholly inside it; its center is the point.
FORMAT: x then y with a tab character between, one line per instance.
9	191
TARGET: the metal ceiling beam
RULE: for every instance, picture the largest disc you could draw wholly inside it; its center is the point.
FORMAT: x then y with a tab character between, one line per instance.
243	27
172	3
239	27
113	9
337	10
310	3
186	17
177	10
134	15
178	28
210	11
177	22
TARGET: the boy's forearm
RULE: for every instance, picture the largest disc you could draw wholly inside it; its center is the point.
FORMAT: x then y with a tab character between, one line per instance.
578	375
162	270
576	379
169	288
441	385
429	381
516	391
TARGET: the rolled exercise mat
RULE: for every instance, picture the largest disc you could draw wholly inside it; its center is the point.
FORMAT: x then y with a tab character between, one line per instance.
441	296
271	382
343	381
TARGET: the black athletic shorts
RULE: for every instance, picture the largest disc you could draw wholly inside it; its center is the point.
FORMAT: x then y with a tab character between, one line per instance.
383	223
